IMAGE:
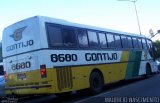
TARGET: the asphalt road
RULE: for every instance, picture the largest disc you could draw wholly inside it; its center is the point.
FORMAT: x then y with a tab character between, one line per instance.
142	90
137	90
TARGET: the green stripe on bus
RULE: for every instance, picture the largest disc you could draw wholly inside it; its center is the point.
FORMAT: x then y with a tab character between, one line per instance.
134	64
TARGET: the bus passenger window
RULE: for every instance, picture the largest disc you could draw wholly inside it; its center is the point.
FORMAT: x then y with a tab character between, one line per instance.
93	40
110	39
130	42
144	44
135	42
102	39
140	43
1	70
124	41
118	41
82	38
55	36
69	37
149	44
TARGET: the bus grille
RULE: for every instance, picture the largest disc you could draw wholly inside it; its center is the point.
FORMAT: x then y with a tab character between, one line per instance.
64	78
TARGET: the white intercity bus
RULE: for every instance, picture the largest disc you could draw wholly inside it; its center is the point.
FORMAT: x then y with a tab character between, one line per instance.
43	55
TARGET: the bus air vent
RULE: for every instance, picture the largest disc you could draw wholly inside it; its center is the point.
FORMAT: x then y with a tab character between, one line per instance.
64	78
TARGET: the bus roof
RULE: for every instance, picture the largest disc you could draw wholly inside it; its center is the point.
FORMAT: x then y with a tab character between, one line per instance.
68	23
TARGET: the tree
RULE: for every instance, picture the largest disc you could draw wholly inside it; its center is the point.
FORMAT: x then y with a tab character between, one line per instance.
157	45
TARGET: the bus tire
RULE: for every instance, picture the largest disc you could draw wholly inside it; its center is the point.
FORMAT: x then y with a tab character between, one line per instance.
96	82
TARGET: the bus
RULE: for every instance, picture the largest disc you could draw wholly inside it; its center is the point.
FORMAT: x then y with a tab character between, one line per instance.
44	55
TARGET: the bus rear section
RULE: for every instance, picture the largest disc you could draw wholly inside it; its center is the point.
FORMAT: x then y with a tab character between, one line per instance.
23	72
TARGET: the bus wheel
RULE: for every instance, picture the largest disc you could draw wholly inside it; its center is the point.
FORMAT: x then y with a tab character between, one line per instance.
96	82
148	71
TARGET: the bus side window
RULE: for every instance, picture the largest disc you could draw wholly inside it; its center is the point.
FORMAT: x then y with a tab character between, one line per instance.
149	44
129	42
1	70
82	38
135	42
69	37
54	36
124	41
110	39
118	41
140	43
144	44
93	40
103	40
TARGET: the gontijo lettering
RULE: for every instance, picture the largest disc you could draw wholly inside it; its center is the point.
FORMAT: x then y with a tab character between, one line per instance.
20	45
100	56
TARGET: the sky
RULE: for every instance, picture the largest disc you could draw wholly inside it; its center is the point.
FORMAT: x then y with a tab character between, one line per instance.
111	14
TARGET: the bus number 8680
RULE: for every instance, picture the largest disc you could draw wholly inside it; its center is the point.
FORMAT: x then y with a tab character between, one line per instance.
21	65
63	57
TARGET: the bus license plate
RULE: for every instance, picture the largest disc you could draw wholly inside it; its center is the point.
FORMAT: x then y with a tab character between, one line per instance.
21	76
